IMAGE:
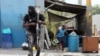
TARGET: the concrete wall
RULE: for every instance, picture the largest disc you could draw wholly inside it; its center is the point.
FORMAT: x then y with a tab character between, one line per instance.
96	21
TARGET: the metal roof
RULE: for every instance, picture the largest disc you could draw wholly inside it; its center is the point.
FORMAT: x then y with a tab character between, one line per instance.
65	7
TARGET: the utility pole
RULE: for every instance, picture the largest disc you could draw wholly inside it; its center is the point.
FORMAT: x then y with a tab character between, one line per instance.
88	18
40	9
80	2
41	4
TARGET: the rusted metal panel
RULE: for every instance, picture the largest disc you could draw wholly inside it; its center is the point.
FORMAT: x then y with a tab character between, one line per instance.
81	25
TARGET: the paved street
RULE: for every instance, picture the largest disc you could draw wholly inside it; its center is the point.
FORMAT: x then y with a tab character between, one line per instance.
20	52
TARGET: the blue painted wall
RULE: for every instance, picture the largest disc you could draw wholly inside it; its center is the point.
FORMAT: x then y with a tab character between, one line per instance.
0	23
12	13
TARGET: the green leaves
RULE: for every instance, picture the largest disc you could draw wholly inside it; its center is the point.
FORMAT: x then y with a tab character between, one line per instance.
96	9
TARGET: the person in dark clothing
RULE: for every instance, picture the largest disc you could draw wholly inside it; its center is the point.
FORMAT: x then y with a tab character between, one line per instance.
30	23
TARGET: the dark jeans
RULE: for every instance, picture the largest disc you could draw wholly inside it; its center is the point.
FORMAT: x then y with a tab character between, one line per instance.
32	38
61	40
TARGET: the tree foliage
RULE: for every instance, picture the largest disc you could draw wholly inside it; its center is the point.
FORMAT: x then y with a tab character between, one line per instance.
96	9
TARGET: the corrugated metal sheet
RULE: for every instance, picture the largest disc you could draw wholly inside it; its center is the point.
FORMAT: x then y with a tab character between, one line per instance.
65	7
